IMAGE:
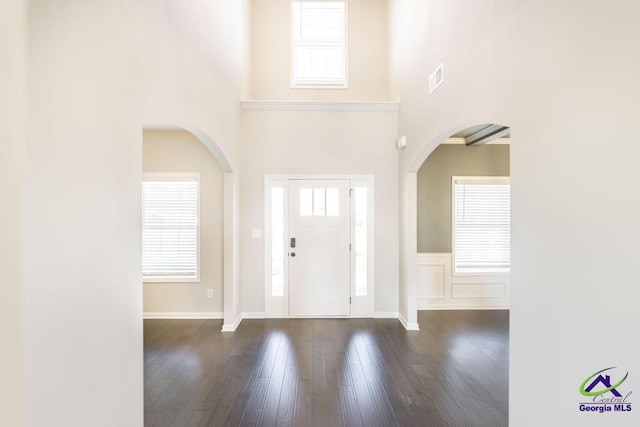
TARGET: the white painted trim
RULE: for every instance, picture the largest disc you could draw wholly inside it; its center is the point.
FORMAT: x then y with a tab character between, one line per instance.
408	304
253	315
408	326
321	105
472	305
231	328
231	291
182	315
429	300
385	315
461	141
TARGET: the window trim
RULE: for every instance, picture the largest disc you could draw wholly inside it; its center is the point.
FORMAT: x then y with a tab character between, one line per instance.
292	84
160	176
476	180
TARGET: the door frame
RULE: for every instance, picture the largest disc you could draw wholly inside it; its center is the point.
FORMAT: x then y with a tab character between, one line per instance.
278	306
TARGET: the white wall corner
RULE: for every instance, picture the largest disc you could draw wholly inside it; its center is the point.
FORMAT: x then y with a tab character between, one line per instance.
408	326
232	327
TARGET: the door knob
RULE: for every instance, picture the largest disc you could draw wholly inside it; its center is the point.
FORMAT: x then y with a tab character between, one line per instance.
293	254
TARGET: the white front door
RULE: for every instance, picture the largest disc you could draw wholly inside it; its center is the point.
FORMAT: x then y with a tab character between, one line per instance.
319	247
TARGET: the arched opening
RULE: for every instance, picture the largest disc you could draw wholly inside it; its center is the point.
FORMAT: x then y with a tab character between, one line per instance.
205	139
463	136
463	222
190	272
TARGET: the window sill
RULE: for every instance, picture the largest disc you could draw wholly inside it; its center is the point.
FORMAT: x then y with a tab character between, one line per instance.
468	273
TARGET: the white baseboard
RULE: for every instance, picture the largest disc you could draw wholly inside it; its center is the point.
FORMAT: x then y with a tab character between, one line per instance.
385	315
232	327
253	315
408	326
472	305
182	315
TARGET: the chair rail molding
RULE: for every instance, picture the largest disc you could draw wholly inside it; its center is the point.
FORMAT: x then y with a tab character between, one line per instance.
320	105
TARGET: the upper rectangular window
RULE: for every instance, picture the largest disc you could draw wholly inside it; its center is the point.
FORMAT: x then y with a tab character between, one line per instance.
318	54
481	224
170	228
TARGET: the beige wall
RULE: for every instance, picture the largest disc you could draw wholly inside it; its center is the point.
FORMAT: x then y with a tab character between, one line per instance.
434	187
91	89
179	151
12	162
538	67
317	143
195	60
564	77
367	53
82	197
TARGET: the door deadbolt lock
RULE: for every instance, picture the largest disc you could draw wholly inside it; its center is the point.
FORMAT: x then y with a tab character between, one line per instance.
293	254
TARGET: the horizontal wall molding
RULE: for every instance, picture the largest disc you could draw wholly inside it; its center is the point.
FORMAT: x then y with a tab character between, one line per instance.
438	288
182	315
320	105
463	305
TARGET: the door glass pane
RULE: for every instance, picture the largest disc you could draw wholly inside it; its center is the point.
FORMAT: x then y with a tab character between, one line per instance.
318	202
277	243
333	202
306	202
361	240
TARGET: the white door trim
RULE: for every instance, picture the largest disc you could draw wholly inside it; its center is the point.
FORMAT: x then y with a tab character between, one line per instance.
278	306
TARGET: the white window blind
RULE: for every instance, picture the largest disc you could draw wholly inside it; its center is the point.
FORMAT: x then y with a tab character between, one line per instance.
482	224
170	205
319	43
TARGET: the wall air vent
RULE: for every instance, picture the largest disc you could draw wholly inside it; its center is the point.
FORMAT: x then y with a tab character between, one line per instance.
436	78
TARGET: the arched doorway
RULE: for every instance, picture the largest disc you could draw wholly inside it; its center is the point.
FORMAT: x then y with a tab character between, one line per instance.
464	135
230	306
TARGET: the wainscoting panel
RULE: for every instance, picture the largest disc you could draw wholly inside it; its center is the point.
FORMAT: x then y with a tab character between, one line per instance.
433	274
439	289
478	290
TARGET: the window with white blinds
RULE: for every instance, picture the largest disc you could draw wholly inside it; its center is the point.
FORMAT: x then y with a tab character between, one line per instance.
319	43
481	224
170	227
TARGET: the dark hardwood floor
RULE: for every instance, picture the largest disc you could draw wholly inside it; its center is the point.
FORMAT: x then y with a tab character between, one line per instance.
326	372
